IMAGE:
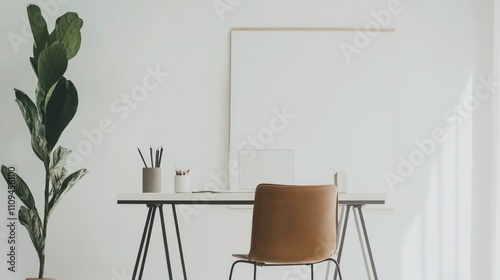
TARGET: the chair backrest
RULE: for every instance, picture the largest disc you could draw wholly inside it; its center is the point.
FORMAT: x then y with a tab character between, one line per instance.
294	224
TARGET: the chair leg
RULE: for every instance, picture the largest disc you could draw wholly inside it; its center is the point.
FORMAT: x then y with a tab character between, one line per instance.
242	261
312	272
232	267
338	269
254	271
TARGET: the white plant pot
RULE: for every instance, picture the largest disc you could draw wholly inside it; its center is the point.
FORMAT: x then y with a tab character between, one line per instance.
181	184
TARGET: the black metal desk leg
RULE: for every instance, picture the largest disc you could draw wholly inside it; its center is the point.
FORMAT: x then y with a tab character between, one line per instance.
165	243
147	240
367	241
342	237
146	236
148	218
179	241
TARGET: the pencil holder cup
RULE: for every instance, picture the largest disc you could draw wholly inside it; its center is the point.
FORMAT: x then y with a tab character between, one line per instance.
181	184
151	180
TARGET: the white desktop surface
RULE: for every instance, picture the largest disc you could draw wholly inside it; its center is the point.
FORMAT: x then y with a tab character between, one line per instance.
229	197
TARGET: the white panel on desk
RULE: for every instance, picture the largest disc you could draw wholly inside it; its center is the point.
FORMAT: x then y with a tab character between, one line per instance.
296	90
265	166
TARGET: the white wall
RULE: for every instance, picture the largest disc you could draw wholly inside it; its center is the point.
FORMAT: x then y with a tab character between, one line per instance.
496	195
444	48
496	107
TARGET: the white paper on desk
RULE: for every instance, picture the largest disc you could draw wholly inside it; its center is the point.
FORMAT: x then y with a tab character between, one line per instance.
267	166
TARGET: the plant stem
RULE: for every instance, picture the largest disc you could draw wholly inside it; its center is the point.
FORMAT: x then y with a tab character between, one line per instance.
45	221
42	264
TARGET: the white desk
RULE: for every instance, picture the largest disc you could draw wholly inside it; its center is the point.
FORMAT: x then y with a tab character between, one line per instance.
157	200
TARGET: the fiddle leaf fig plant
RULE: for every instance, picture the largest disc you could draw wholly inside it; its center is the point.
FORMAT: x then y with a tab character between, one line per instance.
56	102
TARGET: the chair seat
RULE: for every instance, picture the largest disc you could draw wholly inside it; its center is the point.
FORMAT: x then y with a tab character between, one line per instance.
241	256
244	257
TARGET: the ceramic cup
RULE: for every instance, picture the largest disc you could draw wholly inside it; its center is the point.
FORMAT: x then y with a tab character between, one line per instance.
151	180
181	184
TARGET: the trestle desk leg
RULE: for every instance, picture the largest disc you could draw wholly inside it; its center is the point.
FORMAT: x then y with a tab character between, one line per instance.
345	220
165	243
151	222
179	241
366	240
144	233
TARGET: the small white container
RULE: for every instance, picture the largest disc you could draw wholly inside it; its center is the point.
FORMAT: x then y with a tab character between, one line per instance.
181	184
151	180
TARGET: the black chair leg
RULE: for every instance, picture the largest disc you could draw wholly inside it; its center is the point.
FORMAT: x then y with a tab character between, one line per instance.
234	264
337	266
231	271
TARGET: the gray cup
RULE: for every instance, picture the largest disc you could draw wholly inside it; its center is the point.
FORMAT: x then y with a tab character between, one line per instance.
151	180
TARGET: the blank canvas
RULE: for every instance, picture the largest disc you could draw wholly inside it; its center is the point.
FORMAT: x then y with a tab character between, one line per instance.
265	166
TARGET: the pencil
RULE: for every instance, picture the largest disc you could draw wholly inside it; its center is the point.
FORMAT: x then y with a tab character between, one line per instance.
161	154
157	157
151	154
145	165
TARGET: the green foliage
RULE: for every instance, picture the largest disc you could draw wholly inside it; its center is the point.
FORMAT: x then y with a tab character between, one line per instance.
56	105
61	182
68	32
38	28
28	214
52	63
61	107
35	126
31	221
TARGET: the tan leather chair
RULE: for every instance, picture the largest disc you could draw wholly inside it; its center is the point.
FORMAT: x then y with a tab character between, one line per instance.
292	225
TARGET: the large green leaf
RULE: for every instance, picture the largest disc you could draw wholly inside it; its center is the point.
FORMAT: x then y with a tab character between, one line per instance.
68	32
57	178
52	37
66	185
60	110
59	158
52	63
29	111
38	28
34	64
21	188
32	119
41	95
39	146
57	170
31	221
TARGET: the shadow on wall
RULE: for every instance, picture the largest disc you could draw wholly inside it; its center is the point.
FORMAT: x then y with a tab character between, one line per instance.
436	206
